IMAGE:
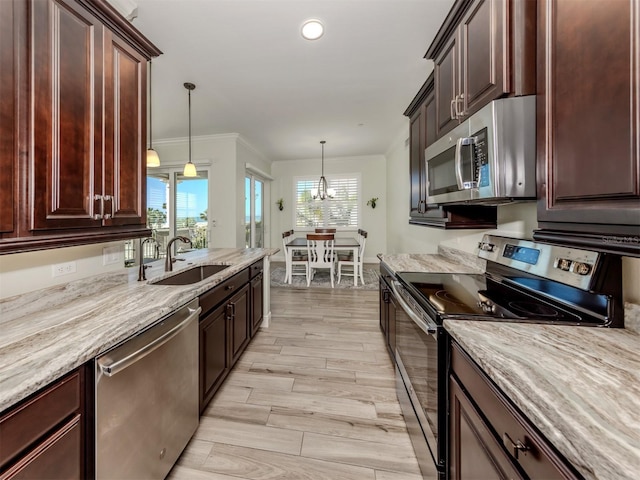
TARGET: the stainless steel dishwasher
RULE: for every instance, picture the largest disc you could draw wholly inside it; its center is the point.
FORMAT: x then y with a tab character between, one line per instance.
147	399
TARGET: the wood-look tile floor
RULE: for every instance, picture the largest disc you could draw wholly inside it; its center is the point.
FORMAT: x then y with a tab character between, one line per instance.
313	397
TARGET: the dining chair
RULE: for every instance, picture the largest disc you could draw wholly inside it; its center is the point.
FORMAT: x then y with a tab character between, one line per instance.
320	248
325	230
353	266
286	238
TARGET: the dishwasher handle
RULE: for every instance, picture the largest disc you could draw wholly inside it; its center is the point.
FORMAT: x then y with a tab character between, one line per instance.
111	367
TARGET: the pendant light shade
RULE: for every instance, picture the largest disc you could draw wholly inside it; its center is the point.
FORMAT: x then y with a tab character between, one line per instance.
153	160
189	167
322	192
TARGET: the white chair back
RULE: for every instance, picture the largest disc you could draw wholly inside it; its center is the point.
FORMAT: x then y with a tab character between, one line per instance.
320	248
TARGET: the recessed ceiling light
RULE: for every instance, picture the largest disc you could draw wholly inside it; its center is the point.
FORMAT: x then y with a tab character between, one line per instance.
312	29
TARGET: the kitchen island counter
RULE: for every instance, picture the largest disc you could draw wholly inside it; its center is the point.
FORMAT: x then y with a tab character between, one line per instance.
47	333
579	386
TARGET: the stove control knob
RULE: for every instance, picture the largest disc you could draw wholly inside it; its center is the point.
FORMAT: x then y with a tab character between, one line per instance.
487	307
563	264
486	246
580	268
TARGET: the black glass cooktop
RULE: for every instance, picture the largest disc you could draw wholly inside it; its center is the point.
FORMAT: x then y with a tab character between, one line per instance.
453	295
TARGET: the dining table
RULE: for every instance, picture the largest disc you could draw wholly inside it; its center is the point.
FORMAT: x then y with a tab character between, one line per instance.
348	244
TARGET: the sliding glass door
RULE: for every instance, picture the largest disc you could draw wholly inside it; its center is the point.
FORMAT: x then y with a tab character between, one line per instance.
176	205
254	212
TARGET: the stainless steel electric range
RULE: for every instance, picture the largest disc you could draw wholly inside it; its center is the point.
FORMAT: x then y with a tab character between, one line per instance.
524	281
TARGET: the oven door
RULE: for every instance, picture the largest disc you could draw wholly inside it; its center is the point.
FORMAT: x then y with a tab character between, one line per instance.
421	365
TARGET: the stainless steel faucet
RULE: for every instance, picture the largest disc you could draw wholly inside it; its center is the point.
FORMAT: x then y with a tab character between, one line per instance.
143	267
168	261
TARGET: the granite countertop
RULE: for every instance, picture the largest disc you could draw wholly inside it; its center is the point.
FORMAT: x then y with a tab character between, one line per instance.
446	260
47	333
579	385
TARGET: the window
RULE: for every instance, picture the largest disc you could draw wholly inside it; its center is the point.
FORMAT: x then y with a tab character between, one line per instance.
340	211
183	212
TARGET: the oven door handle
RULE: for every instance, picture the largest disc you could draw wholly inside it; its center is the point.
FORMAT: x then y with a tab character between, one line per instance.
426	325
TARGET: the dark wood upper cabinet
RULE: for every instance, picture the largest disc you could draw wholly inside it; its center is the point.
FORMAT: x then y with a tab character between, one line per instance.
74	166
125	127
587	124
8	113
484	50
65	119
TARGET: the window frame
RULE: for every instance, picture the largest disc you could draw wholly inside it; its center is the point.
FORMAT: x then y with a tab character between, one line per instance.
326	204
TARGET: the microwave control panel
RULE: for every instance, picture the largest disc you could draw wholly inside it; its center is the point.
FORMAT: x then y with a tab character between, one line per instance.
481	161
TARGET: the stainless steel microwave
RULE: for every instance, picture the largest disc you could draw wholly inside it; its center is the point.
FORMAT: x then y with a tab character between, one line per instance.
488	159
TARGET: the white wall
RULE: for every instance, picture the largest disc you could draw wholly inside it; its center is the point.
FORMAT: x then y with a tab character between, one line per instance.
373	180
26	272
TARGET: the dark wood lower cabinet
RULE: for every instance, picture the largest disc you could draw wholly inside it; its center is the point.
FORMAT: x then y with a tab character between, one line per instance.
489	437
238	310
257	310
214	357
388	307
231	315
44	435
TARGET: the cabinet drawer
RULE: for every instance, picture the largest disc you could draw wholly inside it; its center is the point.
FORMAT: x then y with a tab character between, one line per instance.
220	292
59	456
508	425
256	269
22	426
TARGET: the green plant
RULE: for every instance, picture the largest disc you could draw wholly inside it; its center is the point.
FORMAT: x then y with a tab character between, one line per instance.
280	204
372	203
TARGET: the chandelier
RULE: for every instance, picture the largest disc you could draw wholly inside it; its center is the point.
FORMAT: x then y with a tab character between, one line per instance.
322	192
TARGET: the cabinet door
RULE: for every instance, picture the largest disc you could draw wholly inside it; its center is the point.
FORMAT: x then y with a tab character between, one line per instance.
473	451
588	109
483	61
214	356
446	87
256	304
417	133
391	324
239	334
125	133
66	115
8	116
383	300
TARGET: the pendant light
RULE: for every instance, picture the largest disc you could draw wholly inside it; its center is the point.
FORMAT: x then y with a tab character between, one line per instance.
322	191
189	167
153	160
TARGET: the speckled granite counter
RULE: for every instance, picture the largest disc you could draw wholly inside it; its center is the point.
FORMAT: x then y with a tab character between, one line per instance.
580	386
48	333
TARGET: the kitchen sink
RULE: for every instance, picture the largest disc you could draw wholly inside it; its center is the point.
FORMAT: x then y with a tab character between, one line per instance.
191	275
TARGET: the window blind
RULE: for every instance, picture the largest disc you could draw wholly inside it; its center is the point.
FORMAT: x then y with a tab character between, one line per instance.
340	211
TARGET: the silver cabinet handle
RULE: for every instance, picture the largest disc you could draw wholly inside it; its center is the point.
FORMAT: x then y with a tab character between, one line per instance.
127	358
99	216
460	112
108	198
428	326
454	114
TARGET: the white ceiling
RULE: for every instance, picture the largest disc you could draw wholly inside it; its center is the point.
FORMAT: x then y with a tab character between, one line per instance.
256	76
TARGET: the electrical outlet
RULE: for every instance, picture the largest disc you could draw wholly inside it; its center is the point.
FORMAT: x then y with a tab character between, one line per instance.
111	255
67	268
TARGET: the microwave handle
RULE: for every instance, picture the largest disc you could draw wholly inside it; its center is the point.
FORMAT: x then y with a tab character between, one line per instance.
464	141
